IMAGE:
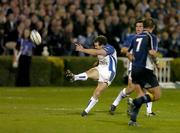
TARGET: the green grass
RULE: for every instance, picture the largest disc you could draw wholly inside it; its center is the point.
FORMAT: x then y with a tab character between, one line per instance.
57	110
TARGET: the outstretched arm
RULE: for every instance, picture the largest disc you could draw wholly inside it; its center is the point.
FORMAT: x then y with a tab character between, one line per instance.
80	48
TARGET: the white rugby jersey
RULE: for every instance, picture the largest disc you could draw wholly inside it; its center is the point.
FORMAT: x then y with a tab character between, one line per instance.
109	62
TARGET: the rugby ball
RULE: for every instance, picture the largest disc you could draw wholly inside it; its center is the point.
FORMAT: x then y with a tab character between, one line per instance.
35	37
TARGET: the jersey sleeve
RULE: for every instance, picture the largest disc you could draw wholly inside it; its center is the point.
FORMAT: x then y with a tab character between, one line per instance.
131	46
153	41
109	49
128	41
155	44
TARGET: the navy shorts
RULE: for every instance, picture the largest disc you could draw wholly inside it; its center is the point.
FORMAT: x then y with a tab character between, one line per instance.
144	77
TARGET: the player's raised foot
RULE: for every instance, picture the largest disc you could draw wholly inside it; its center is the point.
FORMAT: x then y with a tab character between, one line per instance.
69	76
84	113
132	123
112	109
130	106
150	114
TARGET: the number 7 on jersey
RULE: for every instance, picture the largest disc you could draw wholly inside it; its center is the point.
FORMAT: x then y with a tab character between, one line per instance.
139	40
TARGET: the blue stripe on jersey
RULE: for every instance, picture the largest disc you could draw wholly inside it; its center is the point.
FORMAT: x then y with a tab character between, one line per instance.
112	60
113	63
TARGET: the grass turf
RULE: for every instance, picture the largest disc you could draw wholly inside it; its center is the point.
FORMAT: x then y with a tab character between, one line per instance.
57	110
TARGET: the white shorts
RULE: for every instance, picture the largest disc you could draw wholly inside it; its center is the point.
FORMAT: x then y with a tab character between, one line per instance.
105	75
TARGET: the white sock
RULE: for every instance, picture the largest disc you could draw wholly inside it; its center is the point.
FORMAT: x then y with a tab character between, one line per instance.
91	104
81	76
121	95
149	107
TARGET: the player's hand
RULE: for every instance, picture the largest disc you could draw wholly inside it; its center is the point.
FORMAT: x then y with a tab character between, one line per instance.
155	61
79	47
130	56
157	65
153	52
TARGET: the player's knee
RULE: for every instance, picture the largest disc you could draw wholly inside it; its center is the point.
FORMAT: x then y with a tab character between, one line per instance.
157	96
97	94
155	93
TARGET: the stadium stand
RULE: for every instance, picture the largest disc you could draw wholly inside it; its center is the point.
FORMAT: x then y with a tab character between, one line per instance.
61	22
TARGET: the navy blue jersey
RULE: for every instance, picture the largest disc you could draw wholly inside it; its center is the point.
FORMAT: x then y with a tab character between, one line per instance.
141	44
128	40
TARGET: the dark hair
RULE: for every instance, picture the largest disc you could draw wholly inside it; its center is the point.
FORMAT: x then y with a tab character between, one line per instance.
9	11
139	21
101	39
149	23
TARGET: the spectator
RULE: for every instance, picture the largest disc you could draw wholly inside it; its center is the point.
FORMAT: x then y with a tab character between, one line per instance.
80	25
25	47
91	34
68	39
10	32
55	38
174	45
2	22
165	42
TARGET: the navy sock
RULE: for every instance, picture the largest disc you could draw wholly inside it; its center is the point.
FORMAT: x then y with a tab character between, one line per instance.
135	113
138	102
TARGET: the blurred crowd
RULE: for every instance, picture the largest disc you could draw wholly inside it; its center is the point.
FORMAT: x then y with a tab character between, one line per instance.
62	22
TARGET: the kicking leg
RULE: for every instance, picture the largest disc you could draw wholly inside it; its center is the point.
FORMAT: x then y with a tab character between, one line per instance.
91	73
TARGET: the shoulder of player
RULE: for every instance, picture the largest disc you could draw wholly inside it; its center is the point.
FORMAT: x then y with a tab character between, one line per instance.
145	34
148	33
108	47
131	36
151	35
